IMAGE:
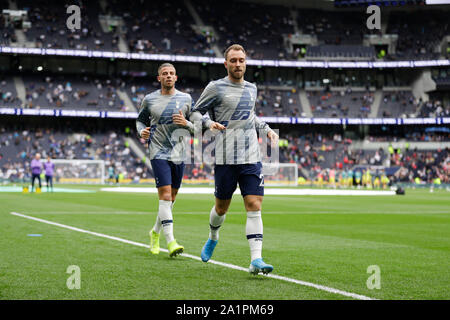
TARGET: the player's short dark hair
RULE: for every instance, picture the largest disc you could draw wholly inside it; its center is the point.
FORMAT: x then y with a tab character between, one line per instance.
166	64
234	47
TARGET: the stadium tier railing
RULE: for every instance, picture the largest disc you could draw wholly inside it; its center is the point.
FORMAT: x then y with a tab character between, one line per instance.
287	120
214	60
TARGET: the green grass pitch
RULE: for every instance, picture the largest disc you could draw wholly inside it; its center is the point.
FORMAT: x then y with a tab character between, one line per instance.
325	240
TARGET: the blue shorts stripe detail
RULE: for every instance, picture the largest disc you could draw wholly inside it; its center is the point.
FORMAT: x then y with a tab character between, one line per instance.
255	236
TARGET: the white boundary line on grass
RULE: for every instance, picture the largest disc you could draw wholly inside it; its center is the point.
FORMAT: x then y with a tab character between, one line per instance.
236	212
267	191
223	264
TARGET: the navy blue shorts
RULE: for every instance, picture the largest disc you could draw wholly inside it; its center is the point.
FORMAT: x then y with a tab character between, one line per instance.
167	173
249	176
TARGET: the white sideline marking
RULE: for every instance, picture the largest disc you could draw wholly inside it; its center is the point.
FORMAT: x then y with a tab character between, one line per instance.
234	212
223	264
267	191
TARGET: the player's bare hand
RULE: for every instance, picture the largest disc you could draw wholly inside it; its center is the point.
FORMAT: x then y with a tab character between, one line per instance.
272	135
179	119
145	133
216	125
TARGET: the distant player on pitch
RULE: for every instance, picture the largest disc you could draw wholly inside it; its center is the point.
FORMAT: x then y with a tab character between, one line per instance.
36	169
230	102
49	167
161	113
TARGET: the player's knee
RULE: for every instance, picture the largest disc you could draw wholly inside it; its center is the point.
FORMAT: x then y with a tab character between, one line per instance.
165	196
165	193
253	207
221	210
253	204
222	206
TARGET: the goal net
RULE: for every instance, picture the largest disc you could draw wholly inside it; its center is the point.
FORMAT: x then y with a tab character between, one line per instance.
78	171
280	174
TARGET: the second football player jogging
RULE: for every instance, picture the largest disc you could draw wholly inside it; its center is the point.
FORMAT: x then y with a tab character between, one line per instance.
230	102
162	112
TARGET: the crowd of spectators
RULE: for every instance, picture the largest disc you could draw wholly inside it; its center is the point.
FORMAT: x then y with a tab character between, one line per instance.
8	94
316	154
441	76
100	93
419	33
343	103
258	27
18	147
441	135
48	26
7	33
89	92
398	104
331	28
434	109
279	103
422	166
163	27
138	88
83	92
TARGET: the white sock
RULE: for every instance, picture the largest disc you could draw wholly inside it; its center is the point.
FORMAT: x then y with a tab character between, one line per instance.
215	221
165	216
157	226
254	232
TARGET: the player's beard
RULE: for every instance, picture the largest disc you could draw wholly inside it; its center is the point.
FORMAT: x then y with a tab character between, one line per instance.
235	75
168	87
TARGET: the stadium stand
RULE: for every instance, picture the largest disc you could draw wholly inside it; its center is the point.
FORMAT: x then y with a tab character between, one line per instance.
155	27
100	93
19	146
418	40
8	93
138	87
273	102
7	35
315	153
332	29
342	103
338	52
442	77
203	28
398	104
75	92
235	21
318	153
432	109
47	17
